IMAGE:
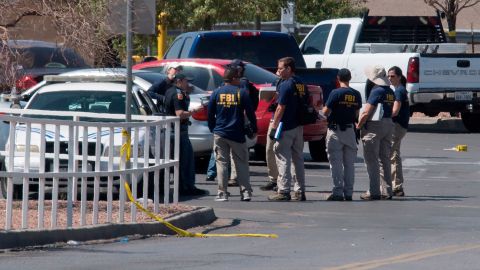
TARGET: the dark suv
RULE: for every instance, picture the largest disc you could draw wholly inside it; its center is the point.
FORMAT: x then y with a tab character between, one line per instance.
34	59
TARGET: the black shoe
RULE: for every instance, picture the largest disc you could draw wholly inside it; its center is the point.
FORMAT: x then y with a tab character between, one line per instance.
348	198
193	192
299	196
269	186
279	197
332	197
398	192
369	197
386	197
210	178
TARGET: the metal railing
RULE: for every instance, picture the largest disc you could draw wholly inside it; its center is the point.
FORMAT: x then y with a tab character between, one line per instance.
89	149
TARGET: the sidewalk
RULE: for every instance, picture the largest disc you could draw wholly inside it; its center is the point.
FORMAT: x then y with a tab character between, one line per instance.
28	238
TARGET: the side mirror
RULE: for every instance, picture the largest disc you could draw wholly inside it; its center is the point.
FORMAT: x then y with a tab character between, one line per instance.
318	64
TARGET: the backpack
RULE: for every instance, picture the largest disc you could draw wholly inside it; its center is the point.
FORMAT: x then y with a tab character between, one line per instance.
307	114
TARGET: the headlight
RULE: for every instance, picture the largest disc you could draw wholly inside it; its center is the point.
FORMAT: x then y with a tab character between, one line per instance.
22	147
117	150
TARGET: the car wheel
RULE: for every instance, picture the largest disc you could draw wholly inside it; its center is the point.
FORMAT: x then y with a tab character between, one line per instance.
17	189
260	152
318	150
471	121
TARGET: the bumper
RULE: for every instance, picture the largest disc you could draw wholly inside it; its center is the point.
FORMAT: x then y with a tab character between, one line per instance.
438	100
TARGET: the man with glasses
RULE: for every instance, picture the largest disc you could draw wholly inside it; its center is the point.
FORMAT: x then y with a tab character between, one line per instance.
287	132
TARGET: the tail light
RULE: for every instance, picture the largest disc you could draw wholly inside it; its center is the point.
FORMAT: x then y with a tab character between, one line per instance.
201	115
413	70
245	34
25	82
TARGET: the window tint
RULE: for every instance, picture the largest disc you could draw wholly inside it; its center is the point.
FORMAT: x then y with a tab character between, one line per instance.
186	47
44	57
259	75
82	101
339	39
201	76
317	40
254	49
174	50
151	77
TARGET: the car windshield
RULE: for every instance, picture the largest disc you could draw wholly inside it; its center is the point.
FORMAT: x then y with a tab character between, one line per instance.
82	101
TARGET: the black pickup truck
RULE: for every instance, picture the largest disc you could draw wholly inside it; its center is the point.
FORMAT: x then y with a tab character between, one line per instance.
262	48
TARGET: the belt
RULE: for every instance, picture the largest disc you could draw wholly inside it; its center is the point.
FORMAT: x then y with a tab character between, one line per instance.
342	127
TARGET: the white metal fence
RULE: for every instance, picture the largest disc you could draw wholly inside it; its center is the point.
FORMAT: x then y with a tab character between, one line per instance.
60	152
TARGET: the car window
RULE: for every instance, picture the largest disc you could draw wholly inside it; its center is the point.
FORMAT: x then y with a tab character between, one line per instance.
201	76
254	49
317	40
44	57
259	75
339	39
186	47
82	101
174	50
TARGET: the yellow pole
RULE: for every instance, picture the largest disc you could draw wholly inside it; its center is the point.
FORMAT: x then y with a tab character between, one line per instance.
162	35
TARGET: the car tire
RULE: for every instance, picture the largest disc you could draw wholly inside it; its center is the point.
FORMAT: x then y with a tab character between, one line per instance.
17	189
471	121
318	150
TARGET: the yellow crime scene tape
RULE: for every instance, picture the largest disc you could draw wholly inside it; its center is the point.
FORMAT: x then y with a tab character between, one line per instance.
125	151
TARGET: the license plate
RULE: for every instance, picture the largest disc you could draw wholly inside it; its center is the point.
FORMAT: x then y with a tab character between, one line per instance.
464	95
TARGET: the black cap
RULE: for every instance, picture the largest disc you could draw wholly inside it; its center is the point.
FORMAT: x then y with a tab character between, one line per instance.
181	76
237	63
344	75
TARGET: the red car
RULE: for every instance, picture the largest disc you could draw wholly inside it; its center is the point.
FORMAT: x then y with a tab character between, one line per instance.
207	74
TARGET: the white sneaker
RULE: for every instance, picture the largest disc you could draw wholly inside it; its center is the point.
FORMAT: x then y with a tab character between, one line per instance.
222	196
246	196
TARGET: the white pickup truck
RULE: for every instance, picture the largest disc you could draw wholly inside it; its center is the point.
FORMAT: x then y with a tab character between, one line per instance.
441	77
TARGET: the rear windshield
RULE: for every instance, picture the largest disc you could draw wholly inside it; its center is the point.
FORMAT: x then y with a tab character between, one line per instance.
263	50
44	57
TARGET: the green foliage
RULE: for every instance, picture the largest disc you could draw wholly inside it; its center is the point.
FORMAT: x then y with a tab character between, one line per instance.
314	11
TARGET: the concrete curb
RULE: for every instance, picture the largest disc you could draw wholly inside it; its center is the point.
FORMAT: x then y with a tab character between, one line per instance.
430	124
27	238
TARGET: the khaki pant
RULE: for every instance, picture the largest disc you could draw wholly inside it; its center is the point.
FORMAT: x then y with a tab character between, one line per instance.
377	143
342	152
288	150
272	168
239	154
397	173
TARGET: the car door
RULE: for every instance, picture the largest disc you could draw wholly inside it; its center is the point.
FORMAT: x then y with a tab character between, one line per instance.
313	48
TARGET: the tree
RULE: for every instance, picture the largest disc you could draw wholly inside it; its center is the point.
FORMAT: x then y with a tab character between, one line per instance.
314	11
78	24
451	8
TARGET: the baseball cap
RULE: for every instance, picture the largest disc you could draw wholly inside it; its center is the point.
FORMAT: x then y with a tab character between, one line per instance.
175	66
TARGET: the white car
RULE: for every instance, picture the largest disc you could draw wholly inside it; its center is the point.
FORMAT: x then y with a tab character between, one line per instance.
96	97
200	135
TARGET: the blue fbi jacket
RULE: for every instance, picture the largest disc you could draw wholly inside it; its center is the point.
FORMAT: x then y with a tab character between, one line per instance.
226	113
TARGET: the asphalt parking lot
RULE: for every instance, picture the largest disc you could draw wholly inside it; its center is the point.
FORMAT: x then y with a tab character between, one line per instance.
435	226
